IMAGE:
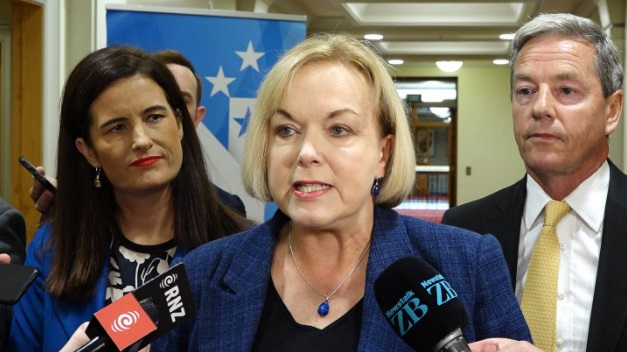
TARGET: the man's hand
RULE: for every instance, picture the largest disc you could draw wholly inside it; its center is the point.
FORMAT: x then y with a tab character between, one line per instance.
502	345
43	198
5	258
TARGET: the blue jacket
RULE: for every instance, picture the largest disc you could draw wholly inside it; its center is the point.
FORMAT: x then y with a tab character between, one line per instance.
230	276
42	322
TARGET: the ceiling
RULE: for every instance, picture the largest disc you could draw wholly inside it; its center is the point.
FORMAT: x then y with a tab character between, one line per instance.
424	31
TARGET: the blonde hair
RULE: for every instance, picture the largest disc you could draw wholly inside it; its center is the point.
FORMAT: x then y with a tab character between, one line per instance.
400	168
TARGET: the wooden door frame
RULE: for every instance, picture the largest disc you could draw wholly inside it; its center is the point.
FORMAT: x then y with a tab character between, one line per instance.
452	174
5	112
36	65
26	103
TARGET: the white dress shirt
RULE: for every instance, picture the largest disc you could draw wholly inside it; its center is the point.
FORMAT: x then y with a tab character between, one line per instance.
579	234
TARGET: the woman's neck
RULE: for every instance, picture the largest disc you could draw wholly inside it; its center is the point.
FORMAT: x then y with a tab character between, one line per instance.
339	248
146	219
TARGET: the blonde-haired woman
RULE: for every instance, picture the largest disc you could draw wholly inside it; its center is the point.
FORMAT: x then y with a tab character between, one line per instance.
329	143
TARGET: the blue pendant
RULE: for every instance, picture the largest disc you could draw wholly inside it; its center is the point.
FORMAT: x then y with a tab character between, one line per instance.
323	308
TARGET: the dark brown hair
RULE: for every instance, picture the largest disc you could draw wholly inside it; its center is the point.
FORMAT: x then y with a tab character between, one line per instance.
85	220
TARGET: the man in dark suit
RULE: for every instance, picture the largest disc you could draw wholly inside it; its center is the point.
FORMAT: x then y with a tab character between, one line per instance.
567	99
12	244
191	87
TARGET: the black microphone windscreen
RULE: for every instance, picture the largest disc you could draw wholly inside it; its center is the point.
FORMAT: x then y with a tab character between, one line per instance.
151	309
417	301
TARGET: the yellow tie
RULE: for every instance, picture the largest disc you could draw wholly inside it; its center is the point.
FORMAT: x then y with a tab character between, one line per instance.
539	298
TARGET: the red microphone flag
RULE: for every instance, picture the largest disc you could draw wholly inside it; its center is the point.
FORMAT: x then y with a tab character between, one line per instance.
125	321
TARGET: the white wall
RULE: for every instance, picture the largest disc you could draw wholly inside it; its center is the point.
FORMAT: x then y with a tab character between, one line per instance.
485	138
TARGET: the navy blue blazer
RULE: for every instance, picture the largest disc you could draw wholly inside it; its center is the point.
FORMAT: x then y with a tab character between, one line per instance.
500	214
230	277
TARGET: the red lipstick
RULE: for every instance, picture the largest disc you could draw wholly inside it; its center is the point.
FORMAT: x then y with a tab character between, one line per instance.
147	161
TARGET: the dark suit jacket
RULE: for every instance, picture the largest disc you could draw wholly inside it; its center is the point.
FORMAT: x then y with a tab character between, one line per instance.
500	214
230	277
12	242
231	200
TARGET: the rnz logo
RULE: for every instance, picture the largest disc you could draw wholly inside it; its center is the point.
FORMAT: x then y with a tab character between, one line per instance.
125	321
168	281
173	297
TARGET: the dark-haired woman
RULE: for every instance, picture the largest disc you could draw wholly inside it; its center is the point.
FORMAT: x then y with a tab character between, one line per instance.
133	194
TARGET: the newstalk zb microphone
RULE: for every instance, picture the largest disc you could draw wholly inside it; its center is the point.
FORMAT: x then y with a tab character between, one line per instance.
421	306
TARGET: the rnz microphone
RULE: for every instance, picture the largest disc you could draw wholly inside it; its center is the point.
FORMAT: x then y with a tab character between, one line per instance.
421	306
140	317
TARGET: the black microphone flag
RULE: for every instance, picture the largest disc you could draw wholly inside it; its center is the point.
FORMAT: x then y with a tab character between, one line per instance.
142	316
421	306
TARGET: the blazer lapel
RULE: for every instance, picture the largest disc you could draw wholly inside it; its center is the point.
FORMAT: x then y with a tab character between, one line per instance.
246	285
608	319
504	224
389	243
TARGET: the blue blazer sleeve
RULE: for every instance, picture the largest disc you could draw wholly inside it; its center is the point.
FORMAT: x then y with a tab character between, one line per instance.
42	322
28	314
497	313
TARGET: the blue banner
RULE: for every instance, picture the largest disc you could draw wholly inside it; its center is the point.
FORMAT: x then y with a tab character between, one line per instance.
231	55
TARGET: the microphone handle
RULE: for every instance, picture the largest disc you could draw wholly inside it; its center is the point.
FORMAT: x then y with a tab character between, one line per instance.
453	342
96	344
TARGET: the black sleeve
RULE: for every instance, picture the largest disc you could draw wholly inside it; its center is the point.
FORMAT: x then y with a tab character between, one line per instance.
12	242
231	200
12	233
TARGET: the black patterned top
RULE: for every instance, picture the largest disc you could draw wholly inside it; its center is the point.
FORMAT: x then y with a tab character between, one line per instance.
132	265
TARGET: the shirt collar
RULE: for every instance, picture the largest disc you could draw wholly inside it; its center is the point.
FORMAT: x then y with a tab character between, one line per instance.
587	200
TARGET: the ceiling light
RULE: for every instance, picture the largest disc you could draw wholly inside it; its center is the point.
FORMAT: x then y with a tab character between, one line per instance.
395	62
500	62
449	66
507	36
373	36
440	112
432	96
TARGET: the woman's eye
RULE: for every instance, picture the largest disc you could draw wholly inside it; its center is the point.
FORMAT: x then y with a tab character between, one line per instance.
155	117
117	128
338	130
285	131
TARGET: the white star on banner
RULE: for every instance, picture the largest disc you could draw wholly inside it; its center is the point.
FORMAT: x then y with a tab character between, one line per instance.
220	83
250	57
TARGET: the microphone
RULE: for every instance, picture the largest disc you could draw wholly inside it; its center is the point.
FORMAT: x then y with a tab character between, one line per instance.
140	317
421	306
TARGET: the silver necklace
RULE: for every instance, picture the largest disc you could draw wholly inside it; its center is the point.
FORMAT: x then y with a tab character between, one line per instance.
323	308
